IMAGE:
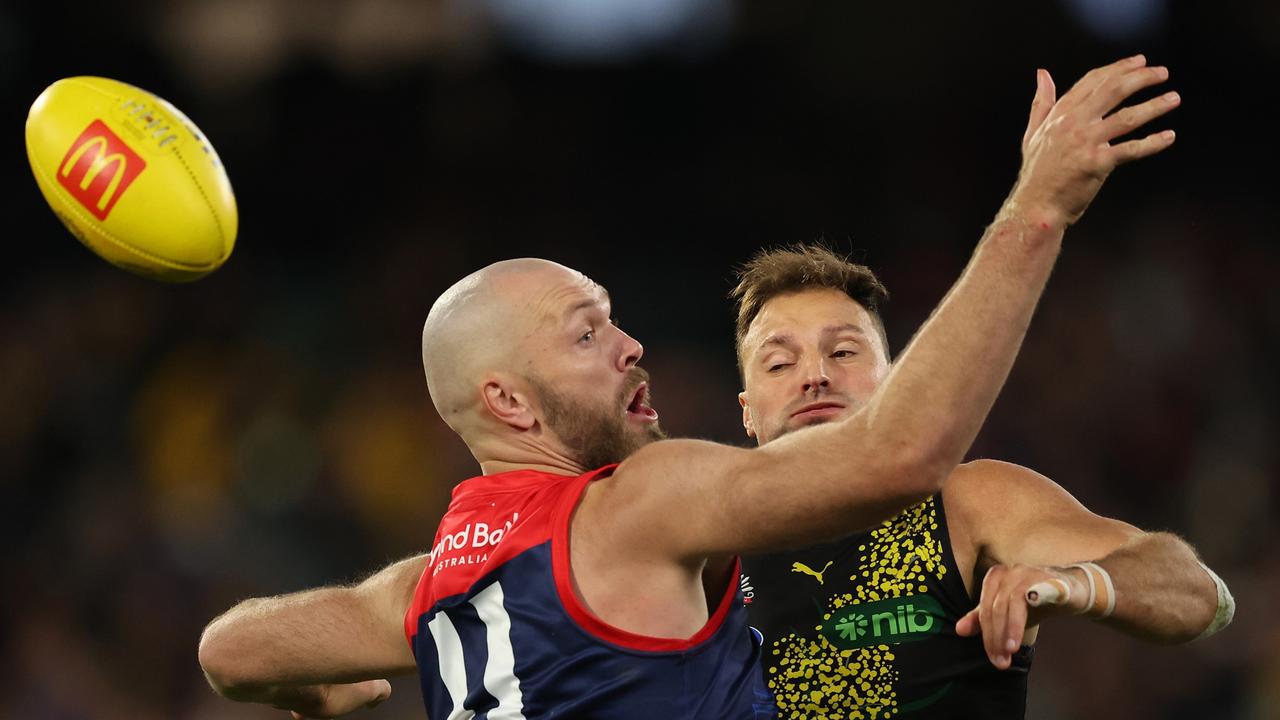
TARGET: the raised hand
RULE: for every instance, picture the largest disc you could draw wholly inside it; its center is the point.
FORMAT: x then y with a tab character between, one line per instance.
1067	150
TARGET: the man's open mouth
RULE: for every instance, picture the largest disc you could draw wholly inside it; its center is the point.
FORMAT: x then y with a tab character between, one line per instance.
638	408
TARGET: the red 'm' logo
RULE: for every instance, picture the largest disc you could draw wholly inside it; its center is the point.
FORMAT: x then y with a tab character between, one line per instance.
98	168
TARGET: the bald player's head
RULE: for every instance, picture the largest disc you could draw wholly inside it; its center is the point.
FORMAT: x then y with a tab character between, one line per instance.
521	358
479	325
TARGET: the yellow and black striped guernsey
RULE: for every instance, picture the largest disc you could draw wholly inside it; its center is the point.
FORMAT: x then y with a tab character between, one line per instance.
865	628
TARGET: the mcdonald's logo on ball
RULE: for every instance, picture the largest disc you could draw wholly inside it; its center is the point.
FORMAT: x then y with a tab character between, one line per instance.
98	169
132	178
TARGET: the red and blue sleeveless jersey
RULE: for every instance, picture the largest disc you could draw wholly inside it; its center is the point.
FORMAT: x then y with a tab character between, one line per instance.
499	633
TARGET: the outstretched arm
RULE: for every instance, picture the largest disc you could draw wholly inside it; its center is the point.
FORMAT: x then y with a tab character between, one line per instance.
696	499
1030	533
320	653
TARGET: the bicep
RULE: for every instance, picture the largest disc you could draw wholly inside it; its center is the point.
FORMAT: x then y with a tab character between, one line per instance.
386	598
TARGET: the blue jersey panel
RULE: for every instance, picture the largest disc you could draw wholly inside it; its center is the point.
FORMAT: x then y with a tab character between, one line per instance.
507	649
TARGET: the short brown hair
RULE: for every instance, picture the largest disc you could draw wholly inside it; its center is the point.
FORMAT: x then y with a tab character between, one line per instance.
779	271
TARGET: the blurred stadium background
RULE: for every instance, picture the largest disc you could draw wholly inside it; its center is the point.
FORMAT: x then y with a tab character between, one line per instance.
167	450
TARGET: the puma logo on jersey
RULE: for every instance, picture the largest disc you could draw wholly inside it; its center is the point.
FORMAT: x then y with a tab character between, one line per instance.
799	567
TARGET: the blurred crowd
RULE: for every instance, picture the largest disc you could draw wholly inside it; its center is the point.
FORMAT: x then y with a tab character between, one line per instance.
168	450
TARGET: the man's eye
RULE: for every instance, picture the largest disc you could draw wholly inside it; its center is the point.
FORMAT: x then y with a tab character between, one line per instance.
844	353
778	366
588	336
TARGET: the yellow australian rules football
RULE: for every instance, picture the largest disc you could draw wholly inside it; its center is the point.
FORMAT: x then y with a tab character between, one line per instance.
132	178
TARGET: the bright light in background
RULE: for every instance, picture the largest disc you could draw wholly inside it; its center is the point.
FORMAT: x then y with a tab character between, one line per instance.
611	29
225	45
1119	19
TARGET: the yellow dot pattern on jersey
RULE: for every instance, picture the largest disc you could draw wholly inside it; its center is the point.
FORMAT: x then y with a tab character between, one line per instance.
810	677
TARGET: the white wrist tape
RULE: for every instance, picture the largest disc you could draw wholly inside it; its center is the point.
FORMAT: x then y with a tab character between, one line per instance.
1226	606
1053	591
1102	592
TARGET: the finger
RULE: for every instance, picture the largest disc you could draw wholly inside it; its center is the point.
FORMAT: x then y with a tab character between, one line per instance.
1126	152
969	625
1017	624
1049	592
1118	88
995	632
1128	119
1093	79
992	617
1041	104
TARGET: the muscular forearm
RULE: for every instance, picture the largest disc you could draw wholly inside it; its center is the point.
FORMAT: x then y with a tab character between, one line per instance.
316	637
940	390
1162	593
898	449
289	640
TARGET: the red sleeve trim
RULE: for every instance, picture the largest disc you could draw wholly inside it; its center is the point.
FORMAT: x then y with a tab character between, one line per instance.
598	628
415	610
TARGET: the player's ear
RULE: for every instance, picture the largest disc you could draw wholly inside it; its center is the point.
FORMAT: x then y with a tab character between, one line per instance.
747	423
508	403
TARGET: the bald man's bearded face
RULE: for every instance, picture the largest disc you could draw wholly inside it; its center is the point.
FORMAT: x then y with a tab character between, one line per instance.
598	432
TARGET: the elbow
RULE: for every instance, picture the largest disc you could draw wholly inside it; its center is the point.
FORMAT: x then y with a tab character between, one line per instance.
1215	609
216	654
1200	607
1207	606
1193	625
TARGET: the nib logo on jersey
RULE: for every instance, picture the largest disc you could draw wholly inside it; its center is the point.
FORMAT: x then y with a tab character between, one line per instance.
887	622
475	540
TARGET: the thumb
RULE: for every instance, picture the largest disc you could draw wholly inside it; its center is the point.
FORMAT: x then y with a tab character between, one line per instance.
969	625
347	697
381	690
1044	100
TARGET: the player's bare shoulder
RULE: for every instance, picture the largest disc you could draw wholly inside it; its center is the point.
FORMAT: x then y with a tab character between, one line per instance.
987	490
653	496
672	466
989	481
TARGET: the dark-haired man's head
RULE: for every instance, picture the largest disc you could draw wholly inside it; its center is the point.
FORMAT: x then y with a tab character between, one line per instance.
810	341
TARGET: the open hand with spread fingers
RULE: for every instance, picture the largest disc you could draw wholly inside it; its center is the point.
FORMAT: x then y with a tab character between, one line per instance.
1068	149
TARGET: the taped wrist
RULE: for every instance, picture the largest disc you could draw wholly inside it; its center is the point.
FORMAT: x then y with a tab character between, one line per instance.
1102	592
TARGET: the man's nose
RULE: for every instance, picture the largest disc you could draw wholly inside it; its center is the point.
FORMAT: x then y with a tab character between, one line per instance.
631	353
815	377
